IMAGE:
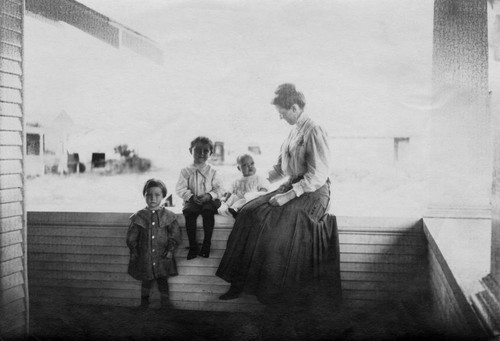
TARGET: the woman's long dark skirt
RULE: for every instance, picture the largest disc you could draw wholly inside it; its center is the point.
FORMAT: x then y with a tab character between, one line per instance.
286	253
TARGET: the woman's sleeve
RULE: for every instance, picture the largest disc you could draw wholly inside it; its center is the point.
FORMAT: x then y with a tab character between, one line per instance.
317	156
263	184
276	173
181	188
132	237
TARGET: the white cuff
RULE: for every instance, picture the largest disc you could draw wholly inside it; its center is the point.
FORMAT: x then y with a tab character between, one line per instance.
297	188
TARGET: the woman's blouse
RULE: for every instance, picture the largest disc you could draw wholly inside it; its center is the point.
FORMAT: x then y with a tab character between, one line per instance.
246	184
306	154
195	180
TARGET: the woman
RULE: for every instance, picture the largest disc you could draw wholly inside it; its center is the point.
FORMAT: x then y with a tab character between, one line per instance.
284	245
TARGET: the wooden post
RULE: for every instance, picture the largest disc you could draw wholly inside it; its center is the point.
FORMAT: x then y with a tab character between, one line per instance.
459	131
487	302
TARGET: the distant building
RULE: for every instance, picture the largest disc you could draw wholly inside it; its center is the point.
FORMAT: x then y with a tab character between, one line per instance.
35	150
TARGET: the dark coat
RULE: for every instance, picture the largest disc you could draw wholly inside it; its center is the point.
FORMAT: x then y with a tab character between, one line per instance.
152	238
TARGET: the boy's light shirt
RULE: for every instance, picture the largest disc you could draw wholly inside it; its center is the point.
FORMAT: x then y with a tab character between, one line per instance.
197	180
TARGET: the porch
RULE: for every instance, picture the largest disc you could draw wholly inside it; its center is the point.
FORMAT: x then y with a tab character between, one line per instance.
397	278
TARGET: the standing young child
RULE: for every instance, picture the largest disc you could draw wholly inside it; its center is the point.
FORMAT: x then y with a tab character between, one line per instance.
152	237
247	187
201	188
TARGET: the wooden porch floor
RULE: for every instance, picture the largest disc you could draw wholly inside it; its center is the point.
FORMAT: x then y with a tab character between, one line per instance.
92	322
79	288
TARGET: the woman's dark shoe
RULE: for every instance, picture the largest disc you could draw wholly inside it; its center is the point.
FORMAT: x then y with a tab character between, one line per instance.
205	251
193	252
231	294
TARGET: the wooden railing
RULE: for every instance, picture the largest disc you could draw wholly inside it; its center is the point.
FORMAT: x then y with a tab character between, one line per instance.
81	258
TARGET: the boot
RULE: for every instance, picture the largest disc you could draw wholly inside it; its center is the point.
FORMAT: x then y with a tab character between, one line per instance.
164	294
193	252
166	305
208	229
144	303
191	232
205	250
233	212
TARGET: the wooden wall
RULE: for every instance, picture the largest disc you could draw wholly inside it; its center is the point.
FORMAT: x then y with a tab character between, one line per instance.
13	290
82	258
454	312
382	260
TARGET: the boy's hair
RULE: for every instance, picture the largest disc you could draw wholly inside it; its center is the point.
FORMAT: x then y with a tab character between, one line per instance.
203	140
287	96
241	157
155	183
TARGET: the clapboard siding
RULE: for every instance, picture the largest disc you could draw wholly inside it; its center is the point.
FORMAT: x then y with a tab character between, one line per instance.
382	260
82	258
9	109
10	167
10	66
7	122
13	287
12	8
11	138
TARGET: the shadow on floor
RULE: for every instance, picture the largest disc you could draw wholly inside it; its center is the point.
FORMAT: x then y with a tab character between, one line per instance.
79	322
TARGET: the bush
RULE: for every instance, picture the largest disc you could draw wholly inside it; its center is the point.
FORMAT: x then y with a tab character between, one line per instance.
130	161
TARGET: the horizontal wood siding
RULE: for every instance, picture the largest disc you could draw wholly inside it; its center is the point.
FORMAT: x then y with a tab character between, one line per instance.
82	258
13	295
382	260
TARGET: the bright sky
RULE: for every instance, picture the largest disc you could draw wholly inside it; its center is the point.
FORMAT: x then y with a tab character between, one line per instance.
364	67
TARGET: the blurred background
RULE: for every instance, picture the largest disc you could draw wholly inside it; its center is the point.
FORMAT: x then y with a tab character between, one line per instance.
101	121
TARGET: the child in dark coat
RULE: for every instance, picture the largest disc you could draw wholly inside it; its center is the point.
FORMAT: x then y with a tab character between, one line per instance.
152	237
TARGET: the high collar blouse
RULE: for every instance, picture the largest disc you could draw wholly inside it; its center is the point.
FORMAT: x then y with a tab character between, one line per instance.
304	154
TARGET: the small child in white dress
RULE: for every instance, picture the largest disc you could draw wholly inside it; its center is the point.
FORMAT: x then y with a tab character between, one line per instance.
244	189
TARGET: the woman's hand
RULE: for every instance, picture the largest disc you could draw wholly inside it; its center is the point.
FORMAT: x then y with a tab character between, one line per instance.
281	199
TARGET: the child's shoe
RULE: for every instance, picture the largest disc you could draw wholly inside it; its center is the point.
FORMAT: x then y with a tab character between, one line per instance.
193	252
233	212
205	250
166	305
223	210
144	303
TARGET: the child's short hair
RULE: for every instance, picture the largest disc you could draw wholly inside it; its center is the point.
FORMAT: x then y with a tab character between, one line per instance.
155	183
203	140
240	158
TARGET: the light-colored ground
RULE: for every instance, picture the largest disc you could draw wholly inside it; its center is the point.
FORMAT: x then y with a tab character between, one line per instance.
389	192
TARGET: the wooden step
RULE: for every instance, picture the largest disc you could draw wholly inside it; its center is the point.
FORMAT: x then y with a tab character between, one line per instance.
83	258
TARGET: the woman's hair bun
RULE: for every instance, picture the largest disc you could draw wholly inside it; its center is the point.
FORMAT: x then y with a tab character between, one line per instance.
287	96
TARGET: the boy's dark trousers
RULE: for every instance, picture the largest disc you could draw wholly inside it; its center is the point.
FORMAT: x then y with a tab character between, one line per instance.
162	287
191	211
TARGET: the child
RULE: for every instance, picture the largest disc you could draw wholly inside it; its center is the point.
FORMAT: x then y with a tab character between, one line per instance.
152	237
200	187
246	188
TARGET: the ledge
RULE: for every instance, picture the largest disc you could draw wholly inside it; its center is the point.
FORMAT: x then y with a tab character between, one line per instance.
462	246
